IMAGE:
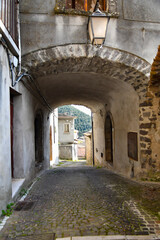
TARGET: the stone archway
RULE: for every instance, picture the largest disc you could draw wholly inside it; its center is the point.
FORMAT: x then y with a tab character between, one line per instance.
119	67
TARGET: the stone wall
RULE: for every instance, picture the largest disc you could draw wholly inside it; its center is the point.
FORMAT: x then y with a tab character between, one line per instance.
153	129
89	149
81	151
68	151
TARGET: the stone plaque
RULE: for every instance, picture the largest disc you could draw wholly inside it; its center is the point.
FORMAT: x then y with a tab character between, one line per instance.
142	10
133	145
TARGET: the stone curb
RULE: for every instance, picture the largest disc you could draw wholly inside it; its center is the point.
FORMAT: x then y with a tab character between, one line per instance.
3	222
117	237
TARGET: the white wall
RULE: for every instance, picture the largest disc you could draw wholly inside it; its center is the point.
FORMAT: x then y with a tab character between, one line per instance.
54	127
25	106
62	136
124	112
5	149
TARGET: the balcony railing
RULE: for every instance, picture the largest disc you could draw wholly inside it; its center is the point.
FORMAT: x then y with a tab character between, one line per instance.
8	15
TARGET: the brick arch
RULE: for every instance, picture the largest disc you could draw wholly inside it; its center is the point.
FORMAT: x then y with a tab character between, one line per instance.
75	51
88	58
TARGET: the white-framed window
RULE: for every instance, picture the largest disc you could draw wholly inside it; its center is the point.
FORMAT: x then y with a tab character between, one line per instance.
66	128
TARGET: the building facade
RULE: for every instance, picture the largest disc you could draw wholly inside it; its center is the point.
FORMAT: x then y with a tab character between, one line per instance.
66	138
24	114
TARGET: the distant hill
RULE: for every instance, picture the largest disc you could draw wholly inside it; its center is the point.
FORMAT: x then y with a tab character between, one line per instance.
82	123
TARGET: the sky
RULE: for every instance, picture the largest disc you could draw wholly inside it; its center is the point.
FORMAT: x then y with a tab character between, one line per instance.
83	109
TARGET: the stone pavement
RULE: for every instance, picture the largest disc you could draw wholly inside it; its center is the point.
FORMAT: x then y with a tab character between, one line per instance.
80	201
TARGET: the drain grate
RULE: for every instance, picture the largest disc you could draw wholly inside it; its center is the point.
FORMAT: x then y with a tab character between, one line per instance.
47	236
23	206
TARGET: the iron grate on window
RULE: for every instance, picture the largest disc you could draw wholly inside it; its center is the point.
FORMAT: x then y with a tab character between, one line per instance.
85	5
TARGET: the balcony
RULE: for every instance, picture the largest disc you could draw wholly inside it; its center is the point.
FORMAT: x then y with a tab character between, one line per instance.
8	24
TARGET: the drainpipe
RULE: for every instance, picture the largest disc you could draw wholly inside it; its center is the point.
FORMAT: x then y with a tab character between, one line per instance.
19	38
92	139
2	41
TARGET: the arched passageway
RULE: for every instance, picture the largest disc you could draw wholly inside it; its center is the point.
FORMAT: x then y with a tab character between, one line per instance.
105	80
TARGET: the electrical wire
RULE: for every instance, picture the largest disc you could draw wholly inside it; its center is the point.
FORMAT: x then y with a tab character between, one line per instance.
32	80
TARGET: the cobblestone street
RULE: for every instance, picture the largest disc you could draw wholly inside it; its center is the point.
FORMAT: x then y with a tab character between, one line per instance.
80	201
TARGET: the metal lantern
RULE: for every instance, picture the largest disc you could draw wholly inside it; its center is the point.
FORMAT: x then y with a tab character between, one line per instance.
97	26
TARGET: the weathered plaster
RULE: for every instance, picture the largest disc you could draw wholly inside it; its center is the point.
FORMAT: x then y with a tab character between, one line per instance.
41	28
5	156
141	10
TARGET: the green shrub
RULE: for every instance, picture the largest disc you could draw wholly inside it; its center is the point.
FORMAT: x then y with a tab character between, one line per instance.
9	210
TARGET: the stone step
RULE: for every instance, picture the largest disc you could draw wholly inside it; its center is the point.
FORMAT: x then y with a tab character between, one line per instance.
113	237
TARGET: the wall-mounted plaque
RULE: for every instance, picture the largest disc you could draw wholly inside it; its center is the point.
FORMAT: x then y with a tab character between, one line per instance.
133	145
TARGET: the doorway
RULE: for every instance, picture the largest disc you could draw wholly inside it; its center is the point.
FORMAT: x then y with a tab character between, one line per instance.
38	139
51	143
108	140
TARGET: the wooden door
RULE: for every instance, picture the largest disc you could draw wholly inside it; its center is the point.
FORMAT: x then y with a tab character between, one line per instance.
108	140
11	132
39	157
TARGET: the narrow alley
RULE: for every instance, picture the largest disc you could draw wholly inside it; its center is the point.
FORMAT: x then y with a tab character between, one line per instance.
77	200
99	54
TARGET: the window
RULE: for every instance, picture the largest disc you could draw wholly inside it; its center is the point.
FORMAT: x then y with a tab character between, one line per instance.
66	128
85	5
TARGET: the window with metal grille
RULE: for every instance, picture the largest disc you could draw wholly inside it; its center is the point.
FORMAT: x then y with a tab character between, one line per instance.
86	5
8	15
